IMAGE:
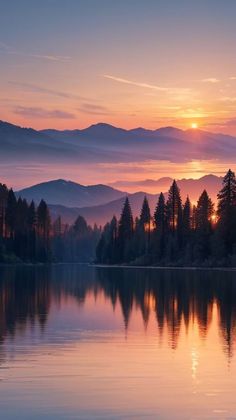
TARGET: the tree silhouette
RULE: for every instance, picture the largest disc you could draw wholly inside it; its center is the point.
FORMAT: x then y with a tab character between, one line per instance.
160	224
204	213
11	214
227	211
43	229
174	207
144	227
125	232
3	205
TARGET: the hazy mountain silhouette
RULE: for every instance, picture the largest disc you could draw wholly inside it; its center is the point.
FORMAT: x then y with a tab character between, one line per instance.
102	213
104	143
98	203
70	194
191	187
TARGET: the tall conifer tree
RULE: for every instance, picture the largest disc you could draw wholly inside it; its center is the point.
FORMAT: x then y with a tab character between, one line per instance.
227	211
125	232
174	208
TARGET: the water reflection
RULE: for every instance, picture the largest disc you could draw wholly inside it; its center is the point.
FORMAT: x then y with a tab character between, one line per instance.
177	298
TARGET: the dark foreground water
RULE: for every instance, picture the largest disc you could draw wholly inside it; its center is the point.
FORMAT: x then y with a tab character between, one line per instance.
80	342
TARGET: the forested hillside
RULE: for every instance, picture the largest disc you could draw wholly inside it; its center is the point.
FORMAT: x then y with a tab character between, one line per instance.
177	234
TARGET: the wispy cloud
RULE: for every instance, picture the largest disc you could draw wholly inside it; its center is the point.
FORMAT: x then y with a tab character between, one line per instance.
231	122
40	89
221	122
148	85
210	80
6	49
50	57
89	108
228	99
139	84
172	108
37	112
232	78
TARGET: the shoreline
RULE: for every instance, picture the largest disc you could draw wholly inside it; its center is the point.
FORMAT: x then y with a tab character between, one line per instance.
143	267
164	267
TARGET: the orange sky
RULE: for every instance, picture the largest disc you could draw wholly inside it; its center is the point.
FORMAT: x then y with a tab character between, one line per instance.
130	65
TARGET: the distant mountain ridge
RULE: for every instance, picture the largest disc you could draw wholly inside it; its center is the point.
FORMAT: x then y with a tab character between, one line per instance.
98	203
102	142
190	186
70	194
104	146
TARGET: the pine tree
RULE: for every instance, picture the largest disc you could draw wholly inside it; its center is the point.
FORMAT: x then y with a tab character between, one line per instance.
159	235
113	239
21	226
101	249
204	212
80	226
187	232
203	233
227	195
43	230
57	240
106	250
193	218
125	229
227	211
125	233
160	214
187	218
3	205
145	215
32	222
144	228
11	214
174	208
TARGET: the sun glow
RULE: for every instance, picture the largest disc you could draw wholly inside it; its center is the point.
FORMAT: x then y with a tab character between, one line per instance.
194	126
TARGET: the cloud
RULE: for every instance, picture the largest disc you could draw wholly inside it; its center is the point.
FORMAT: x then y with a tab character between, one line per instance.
232	78
39	89
222	123
148	85
231	122
228	99
36	112
130	82
49	57
210	80
172	108
42	56
93	109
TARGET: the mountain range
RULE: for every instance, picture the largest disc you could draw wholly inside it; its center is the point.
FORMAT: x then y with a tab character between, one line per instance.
101	143
27	151
98	203
71	194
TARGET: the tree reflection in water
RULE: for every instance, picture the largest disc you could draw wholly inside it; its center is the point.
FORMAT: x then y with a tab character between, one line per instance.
176	296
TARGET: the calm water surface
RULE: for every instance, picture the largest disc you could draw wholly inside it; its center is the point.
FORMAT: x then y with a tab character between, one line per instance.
79	342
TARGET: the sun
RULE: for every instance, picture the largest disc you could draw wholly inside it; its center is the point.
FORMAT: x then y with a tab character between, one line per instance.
194	126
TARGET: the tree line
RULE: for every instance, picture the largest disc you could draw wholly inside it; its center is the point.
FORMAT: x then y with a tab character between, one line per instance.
177	234
28	234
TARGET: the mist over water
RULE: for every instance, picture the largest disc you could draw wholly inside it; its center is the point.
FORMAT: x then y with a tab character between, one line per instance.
86	342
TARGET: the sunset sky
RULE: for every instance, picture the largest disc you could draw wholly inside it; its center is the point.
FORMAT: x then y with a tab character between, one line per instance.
69	64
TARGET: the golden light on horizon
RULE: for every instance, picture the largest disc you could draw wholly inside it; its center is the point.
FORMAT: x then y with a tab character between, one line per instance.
194	126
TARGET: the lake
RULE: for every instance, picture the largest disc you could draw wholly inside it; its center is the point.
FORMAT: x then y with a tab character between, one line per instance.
80	342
